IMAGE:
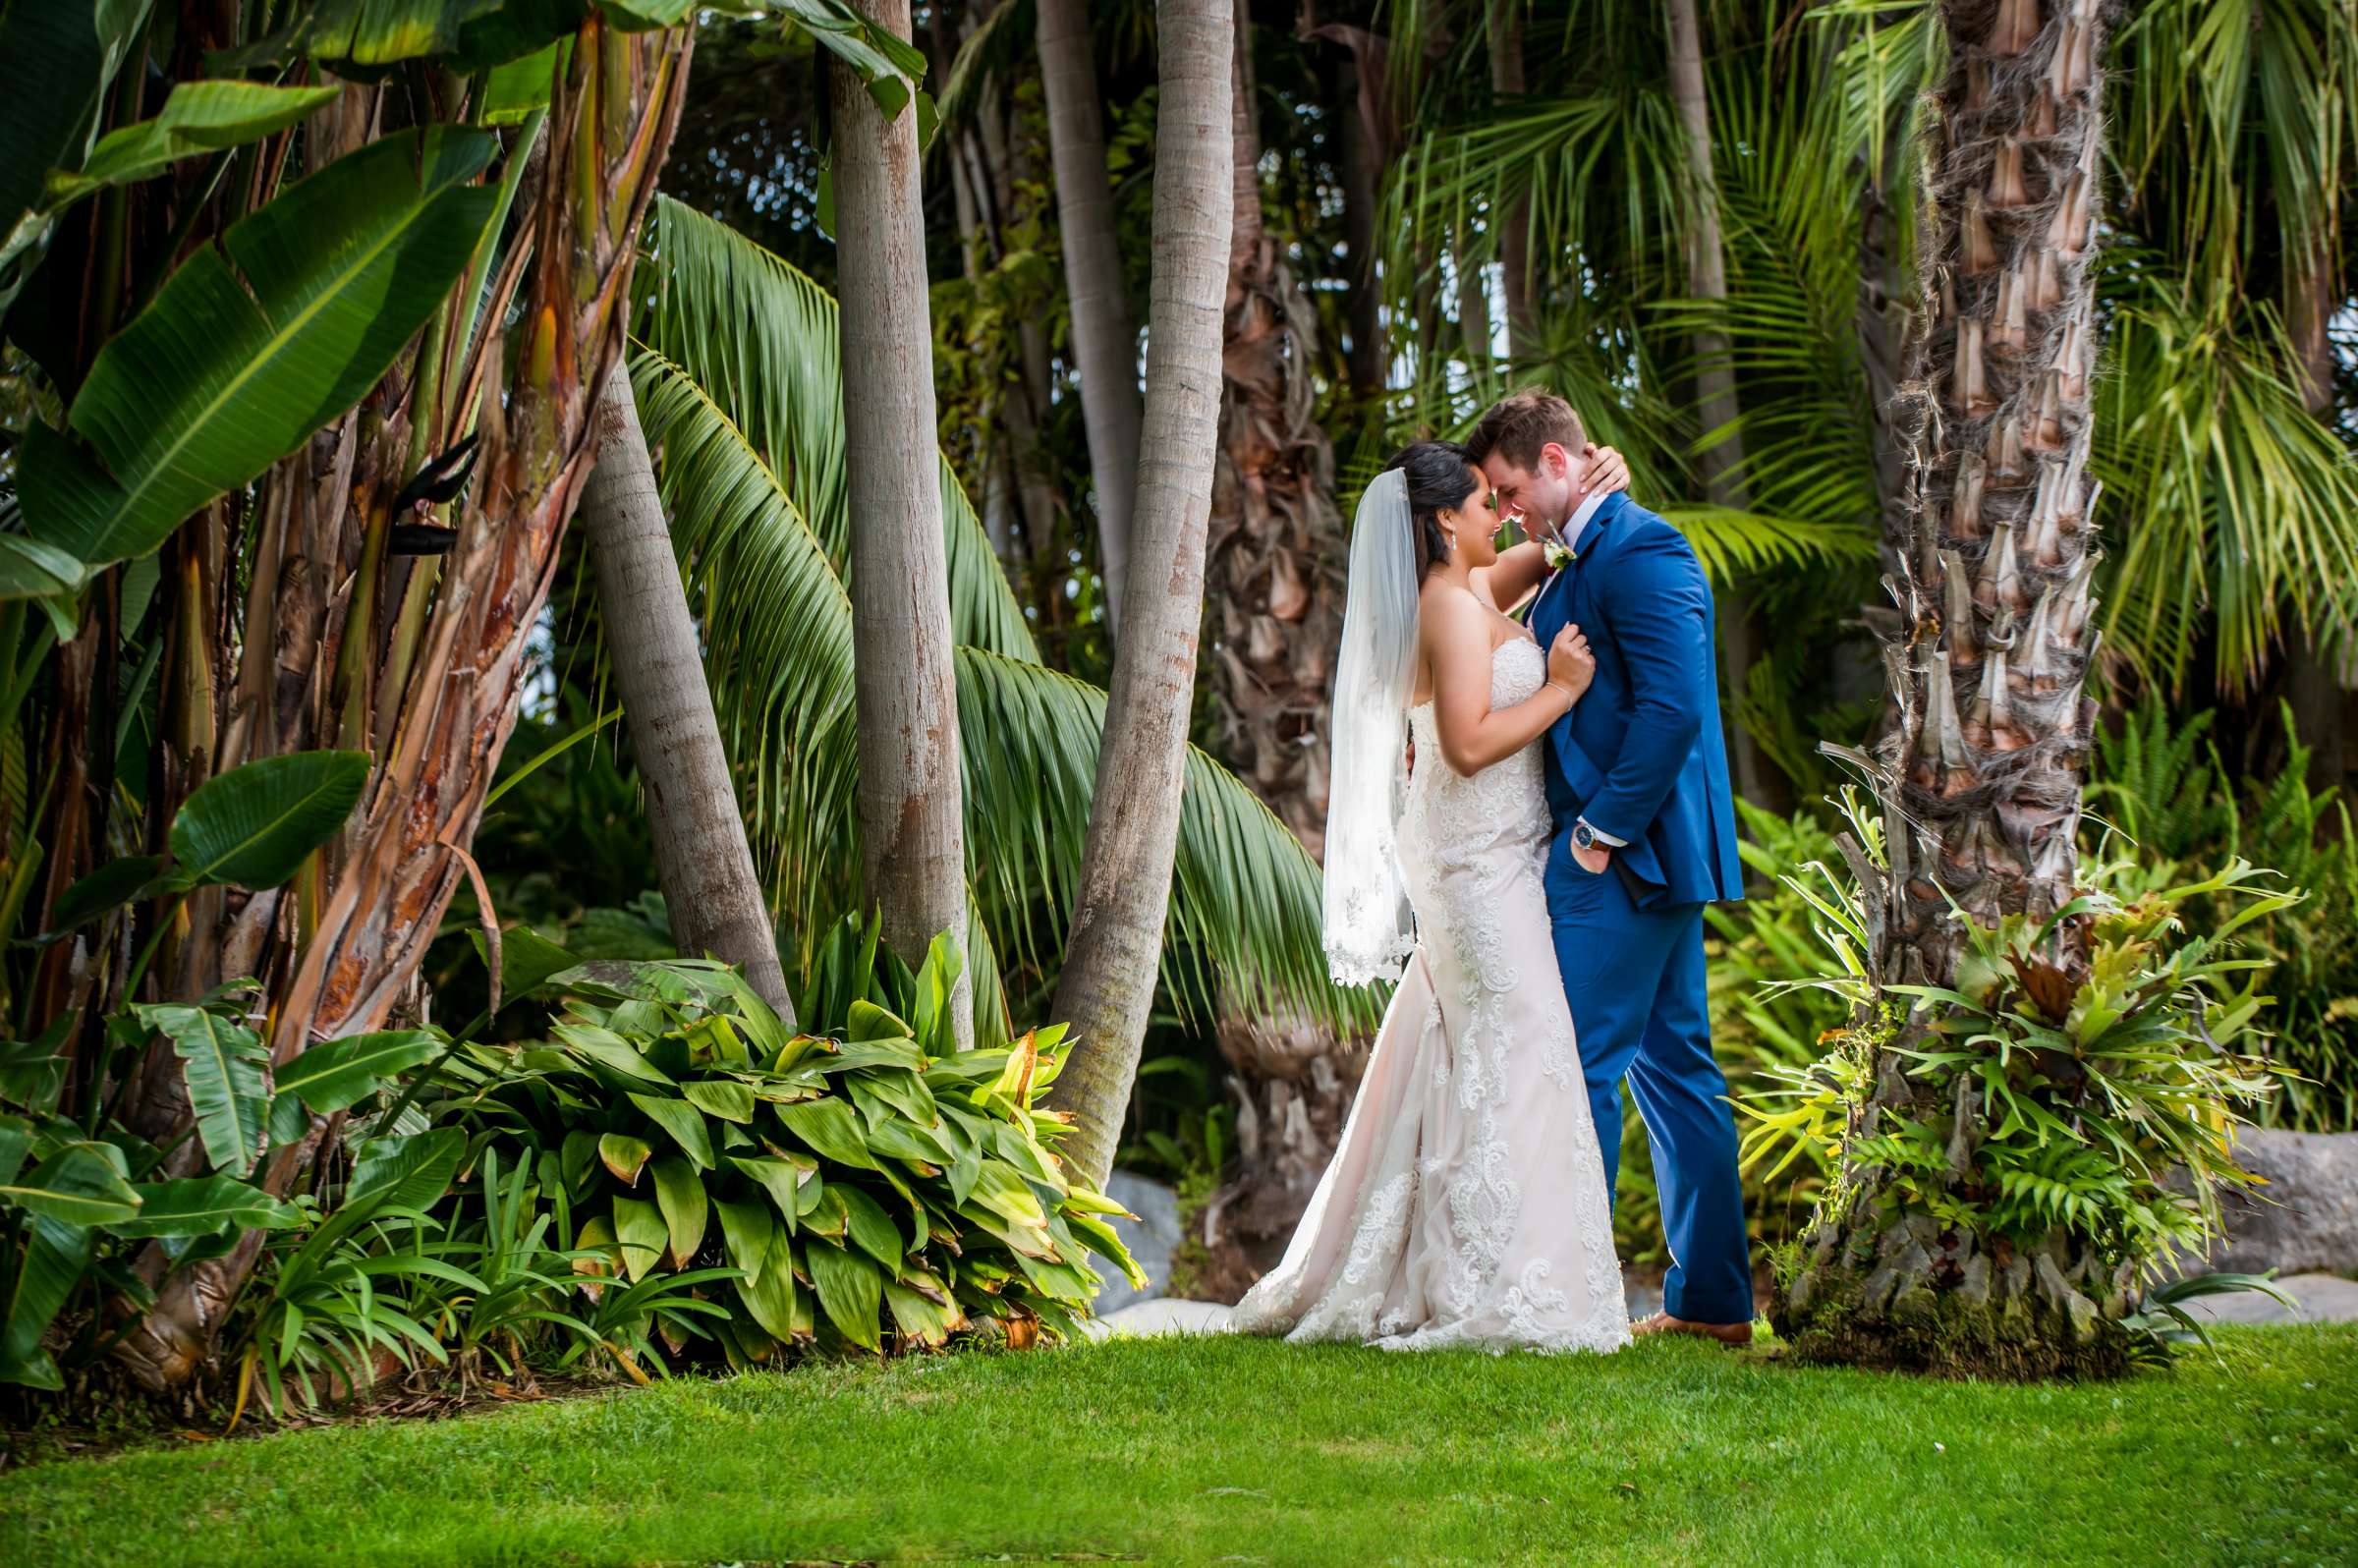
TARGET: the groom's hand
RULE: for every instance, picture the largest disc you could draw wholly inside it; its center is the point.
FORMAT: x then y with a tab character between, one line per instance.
1592	860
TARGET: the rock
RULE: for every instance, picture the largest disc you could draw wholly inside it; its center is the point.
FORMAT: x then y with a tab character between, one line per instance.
2305	1219
2324	1299
1151	1239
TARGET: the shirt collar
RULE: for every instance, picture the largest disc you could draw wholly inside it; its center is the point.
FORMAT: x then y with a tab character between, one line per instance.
1577	529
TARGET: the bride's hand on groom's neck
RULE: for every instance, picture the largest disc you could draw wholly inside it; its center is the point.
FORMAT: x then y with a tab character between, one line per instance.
1603	472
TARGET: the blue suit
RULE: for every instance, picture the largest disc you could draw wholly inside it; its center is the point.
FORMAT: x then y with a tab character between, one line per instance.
1642	759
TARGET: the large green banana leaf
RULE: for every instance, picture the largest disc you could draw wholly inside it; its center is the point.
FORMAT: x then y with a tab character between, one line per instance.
253	346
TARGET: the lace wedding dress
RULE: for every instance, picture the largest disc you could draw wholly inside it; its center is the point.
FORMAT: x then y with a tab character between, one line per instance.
1466	1204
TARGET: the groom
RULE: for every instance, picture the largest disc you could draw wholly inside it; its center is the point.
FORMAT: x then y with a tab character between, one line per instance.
1645	836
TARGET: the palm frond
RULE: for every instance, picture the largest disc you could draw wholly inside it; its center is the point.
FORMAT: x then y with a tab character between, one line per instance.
1735	544
1246	916
760	337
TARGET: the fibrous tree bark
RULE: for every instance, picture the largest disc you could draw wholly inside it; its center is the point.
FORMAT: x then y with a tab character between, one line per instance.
912	832
1983	771
702	860
1113	957
1513	218
1105	341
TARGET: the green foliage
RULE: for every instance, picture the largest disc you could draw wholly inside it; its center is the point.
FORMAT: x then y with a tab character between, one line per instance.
2099	1098
870	1190
2177	805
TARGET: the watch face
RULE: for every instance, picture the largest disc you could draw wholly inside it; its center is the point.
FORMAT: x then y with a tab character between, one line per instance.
1583	835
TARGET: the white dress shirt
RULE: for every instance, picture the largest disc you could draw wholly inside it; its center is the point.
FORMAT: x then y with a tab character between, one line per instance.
1571	535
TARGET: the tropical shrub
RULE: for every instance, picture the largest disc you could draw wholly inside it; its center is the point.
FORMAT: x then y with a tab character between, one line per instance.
2098	1101
868	1189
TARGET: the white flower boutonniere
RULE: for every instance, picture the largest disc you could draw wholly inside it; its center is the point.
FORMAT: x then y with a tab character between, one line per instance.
1559	555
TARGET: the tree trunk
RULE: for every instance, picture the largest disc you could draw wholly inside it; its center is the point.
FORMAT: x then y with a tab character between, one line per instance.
1124	895
340	953
2312	678
1723	462
701	858
912	839
1278	578
1105	342
1514	217
1983	777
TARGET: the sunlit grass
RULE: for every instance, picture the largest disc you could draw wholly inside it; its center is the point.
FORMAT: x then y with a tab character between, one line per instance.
1191	1450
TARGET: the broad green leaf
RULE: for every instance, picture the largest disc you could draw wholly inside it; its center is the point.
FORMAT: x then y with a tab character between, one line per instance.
256	343
76	1185
868	1022
782	1178
680	1195
222	1063
520	87
253	827
679	1119
623	1155
335	1074
872	1230
609	1050
405	1172
16	1138
639	1229
770	1295
850	1290
528	961
55	1259
205	1206
32	570
828	1128
928	1314
198	117
745	1232
723	1097
109	887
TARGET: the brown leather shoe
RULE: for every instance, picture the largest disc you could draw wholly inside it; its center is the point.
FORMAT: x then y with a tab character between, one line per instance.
1738	1334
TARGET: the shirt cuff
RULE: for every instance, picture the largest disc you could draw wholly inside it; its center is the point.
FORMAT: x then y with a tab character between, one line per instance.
1602	837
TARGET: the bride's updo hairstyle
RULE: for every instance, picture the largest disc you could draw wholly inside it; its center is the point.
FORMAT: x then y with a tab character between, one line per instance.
1441	476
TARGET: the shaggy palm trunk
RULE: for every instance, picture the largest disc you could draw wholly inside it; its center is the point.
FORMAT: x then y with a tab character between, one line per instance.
701	856
1278	584
1723	462
1105	343
1984	774
912	836
1116	949
437	665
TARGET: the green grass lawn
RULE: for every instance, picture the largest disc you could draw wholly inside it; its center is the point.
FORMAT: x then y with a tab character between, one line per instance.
1195	1450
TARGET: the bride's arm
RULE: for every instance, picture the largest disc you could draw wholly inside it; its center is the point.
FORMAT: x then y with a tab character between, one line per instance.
1472	734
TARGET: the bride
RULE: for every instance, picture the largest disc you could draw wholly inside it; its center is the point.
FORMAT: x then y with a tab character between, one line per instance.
1466	1204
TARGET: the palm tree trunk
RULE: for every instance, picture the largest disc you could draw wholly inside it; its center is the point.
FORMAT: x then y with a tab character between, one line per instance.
2314	678
1514	217
1105	342
1124	895
1723	462
912	839
1982	776
701	856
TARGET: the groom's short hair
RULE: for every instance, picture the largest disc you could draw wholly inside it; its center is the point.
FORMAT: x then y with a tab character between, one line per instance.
1519	425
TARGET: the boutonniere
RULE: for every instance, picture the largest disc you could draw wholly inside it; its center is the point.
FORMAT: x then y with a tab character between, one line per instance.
1559	555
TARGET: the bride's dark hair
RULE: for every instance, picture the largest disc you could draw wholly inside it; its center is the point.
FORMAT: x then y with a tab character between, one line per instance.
1441	474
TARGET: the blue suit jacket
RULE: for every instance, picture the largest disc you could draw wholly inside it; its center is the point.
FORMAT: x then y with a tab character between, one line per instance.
1641	756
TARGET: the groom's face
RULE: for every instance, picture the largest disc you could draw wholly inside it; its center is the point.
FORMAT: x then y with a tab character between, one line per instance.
1542	498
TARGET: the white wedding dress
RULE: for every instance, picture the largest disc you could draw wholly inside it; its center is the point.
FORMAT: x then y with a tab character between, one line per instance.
1466	1204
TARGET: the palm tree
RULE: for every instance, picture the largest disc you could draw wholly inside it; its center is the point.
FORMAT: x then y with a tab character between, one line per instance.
1105	343
911	829
1982	776
737	386
1133	821
703	860
1722	462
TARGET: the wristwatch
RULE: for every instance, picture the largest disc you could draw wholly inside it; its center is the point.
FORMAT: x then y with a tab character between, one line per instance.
1583	835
